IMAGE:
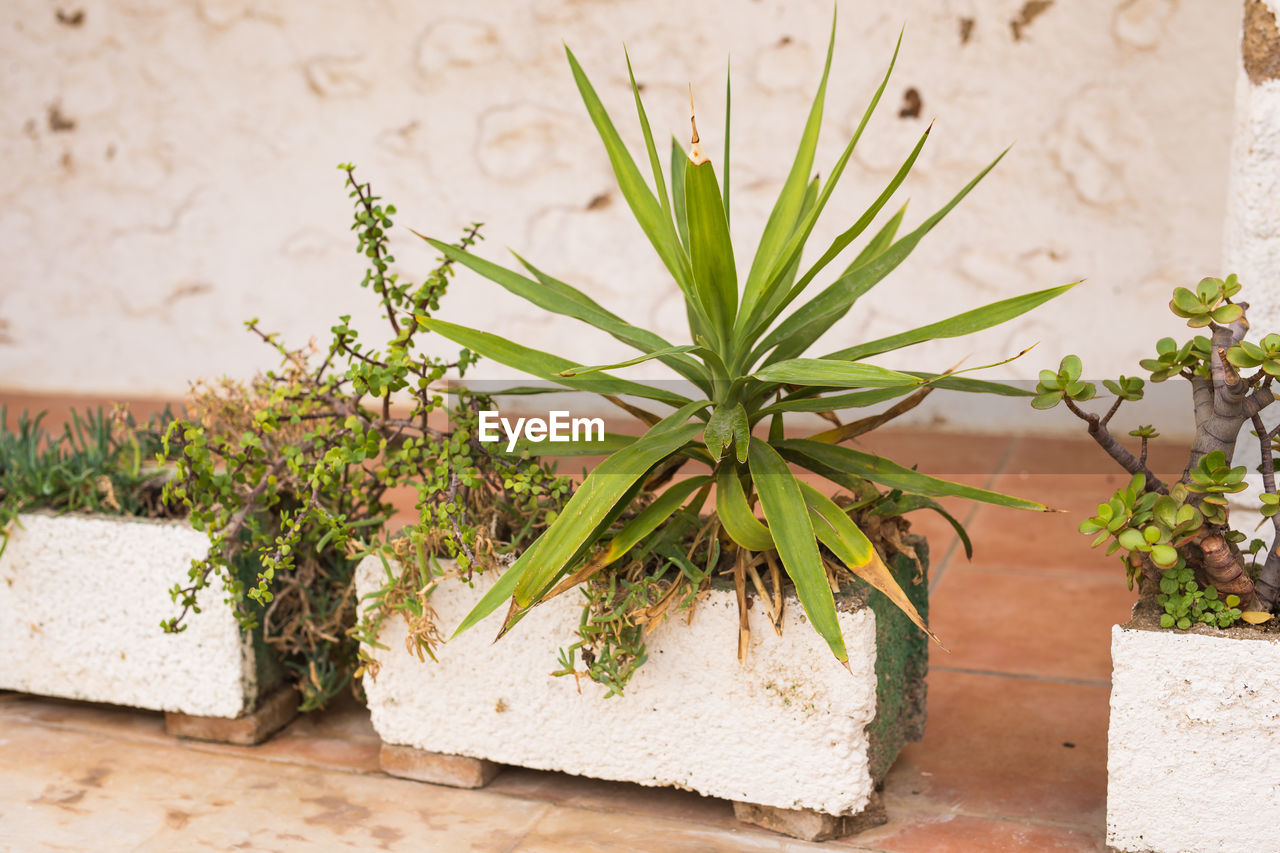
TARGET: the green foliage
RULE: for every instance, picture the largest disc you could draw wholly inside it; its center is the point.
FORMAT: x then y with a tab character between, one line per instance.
1127	388
1123	517
1146	522
291	475
1208	303
1065	384
1190	359
1186	603
674	562
1270	504
610	644
745	364
1214	478
100	463
1265	354
667	564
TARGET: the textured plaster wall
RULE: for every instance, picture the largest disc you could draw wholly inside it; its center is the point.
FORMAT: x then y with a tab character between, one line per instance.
1252	236
170	166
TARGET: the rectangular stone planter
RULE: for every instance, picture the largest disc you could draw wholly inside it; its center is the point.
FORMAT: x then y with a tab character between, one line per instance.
81	602
1193	749
790	729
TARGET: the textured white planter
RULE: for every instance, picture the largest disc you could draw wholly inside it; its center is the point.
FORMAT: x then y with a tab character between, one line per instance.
1193	751
81	602
790	729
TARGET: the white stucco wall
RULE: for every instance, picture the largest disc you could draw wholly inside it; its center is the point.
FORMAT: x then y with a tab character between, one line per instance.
1251	243
170	166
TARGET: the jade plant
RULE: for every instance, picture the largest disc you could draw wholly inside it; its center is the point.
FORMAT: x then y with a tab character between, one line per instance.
746	363
292	475
1177	536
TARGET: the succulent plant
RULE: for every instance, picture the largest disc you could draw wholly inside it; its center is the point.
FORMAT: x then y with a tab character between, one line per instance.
1265	354
1066	384
1208	303
1172	360
1179	533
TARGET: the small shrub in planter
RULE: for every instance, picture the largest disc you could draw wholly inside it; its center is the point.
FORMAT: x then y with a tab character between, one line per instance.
633	534
291	476
1195	669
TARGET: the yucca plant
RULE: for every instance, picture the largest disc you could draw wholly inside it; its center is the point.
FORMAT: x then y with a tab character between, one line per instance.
746	362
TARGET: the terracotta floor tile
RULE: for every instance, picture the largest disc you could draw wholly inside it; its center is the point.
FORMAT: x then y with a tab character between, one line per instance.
329	753
82	791
942	454
565	829
997	746
934	832
945	547
111	720
601	795
1055	625
1052	455
345	717
1072	492
1036	542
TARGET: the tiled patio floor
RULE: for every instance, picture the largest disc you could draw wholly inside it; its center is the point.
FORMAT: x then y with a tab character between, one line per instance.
1014	756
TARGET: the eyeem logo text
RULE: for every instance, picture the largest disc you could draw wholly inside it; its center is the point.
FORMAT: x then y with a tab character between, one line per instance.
557	426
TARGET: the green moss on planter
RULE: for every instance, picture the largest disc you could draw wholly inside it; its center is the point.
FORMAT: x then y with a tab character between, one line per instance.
902	661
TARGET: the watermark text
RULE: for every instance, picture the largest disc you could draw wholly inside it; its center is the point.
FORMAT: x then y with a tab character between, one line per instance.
557	426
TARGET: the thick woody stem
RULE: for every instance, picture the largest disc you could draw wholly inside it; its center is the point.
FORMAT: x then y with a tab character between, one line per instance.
1223	403
1268	463
1202	398
1267	585
1225	570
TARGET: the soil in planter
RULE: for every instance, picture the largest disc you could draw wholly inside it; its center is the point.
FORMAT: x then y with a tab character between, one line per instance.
1147	612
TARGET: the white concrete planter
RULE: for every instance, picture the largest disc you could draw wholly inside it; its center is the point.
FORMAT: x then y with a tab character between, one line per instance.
81	602
1193	750
790	729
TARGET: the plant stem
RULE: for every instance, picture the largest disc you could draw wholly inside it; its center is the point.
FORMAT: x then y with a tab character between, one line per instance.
1099	432
1267	585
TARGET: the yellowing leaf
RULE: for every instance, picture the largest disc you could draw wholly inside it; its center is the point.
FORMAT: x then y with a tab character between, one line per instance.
1255	617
